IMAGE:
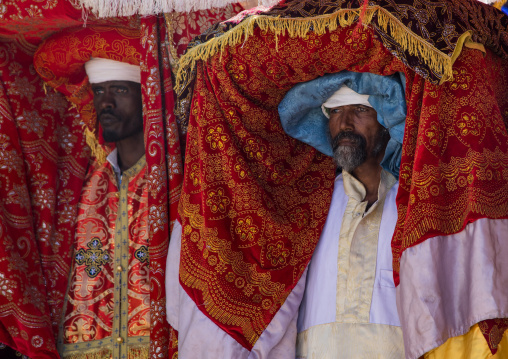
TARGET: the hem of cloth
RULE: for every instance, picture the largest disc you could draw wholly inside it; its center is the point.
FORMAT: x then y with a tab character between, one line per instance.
83	351
438	61
469	265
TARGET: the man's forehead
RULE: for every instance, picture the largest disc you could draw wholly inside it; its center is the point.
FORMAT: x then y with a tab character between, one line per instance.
352	105
116	83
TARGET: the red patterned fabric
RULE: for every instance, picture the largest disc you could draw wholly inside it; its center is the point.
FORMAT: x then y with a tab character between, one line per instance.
252	206
42	168
455	160
493	331
165	169
161	132
43	163
164	159
254	200
111	232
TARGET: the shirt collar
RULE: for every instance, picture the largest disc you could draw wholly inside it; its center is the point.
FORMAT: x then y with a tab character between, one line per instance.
113	160
356	190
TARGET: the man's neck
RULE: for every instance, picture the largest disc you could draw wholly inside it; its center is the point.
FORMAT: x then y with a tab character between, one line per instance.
369	174
130	150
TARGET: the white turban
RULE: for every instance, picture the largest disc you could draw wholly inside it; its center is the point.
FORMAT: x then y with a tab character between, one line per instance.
342	97
101	70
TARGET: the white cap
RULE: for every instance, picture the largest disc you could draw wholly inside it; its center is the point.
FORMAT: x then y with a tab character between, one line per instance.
101	70
344	96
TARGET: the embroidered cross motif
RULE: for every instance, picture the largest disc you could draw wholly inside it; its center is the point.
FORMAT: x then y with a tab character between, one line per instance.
142	254
93	258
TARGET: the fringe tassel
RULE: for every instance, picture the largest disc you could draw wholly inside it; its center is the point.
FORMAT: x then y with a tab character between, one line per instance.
114	8
499	4
135	352
92	354
268	3
415	45
139	352
97	151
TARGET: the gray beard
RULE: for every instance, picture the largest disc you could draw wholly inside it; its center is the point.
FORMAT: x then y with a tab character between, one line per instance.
349	158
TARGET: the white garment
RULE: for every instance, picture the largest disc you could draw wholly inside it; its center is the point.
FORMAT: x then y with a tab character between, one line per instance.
199	337
352	310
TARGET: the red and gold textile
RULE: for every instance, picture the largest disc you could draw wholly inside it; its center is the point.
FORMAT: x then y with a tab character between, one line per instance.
59	61
109	293
163	151
164	164
455	160
42	167
493	331
254	201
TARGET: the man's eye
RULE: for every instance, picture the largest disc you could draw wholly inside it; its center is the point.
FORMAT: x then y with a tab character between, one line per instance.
97	91
121	90
335	110
361	108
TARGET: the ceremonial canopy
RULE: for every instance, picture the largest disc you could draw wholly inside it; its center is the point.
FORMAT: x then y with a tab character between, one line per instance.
46	121
254	200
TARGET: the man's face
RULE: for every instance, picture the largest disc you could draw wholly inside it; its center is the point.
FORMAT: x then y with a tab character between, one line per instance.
119	109
356	135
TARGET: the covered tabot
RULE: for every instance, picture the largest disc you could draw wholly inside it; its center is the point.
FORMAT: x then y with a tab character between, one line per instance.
254	200
44	159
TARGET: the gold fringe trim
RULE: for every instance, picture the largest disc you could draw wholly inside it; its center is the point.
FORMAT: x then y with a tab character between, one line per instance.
410	42
139	352
97	150
169	17
499	4
135	352
89	354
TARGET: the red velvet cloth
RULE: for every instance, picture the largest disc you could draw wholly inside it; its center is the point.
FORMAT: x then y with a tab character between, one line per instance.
42	166
254	201
44	159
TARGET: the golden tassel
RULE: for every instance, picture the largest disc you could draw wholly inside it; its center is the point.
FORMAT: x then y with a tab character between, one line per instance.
97	150
92	354
438	61
139	352
499	4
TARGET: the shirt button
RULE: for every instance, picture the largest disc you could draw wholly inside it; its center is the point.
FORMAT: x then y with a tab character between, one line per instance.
119	269
119	340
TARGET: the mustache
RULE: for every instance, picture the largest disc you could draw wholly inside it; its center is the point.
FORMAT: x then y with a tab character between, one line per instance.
353	137
106	111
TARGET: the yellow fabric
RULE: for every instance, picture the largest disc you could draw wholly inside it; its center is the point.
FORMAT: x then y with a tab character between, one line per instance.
350	341
471	345
358	250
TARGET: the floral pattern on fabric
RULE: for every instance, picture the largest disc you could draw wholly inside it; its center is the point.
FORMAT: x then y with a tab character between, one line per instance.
42	168
453	168
254	200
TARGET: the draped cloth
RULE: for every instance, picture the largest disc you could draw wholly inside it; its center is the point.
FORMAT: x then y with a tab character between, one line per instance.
109	294
254	201
44	159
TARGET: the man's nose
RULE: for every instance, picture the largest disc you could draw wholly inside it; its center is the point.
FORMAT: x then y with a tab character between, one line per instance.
346	121
107	101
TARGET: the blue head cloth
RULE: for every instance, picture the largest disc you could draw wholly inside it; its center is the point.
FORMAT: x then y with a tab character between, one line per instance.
302	118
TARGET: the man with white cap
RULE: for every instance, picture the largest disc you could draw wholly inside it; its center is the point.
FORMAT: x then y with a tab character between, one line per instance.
107	309
117	100
349	307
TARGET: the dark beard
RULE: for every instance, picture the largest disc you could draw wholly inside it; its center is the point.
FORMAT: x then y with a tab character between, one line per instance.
110	136
349	157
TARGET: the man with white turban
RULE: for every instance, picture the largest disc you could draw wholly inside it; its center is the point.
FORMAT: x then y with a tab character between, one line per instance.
107	309
349	307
